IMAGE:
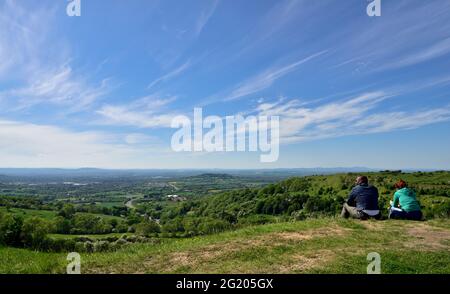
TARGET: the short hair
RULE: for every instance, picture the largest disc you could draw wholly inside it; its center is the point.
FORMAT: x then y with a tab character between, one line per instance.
362	180
400	184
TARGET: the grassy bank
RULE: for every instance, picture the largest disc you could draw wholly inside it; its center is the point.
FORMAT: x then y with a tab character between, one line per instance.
313	246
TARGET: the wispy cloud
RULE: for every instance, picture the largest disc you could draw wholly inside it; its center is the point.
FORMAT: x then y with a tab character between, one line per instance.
398	40
147	112
351	116
279	17
32	75
436	50
172	74
22	37
205	17
265	79
59	87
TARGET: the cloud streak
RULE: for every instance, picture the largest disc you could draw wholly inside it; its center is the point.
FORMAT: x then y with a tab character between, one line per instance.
58	87
267	78
146	112
352	116
205	17
172	74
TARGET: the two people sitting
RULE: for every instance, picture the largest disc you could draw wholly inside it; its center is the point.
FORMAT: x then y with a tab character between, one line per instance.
362	202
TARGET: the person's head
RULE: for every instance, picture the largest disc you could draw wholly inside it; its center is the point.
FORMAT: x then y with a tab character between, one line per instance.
362	180
400	185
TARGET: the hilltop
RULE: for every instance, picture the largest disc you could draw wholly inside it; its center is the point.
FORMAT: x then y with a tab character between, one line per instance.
324	245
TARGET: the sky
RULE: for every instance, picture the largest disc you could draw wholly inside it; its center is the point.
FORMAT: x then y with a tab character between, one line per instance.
100	90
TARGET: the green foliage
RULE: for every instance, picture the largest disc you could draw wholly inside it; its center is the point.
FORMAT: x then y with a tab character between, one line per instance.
68	211
10	229
147	228
90	224
34	232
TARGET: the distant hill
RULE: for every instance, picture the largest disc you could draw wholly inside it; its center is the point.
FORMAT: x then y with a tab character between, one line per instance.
213	176
83	172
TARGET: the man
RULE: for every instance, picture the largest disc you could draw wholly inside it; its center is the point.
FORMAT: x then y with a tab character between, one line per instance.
362	202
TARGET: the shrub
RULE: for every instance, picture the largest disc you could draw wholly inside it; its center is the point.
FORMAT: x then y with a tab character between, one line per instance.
34	232
147	228
101	246
10	229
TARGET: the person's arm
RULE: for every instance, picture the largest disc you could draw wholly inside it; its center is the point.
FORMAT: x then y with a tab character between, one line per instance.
396	200
351	198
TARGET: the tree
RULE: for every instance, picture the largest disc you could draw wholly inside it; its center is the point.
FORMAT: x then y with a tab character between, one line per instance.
34	232
68	211
147	228
10	229
62	225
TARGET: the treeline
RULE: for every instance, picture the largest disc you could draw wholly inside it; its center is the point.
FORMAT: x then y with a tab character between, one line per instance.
38	204
34	233
70	221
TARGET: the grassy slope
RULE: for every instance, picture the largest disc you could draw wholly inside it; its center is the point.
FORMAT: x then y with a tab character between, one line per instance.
313	246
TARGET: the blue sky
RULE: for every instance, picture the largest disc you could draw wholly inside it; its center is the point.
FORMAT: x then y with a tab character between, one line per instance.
100	90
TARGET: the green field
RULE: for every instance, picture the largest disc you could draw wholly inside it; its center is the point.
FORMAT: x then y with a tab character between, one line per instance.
27	213
326	245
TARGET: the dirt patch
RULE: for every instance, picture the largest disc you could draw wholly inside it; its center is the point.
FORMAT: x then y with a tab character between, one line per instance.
205	255
374	225
308	234
300	263
427	238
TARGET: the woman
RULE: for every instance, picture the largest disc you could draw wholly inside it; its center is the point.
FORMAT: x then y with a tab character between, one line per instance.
405	204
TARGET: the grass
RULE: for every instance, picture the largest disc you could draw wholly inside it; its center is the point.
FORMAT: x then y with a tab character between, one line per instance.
27	213
325	245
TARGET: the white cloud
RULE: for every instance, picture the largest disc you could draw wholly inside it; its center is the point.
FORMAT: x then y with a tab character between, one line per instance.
353	116
22	37
32	145
265	79
60	87
174	73
35	60
204	17
146	112
436	50
399	40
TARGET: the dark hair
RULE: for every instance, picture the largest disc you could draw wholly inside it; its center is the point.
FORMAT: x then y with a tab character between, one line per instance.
400	184
362	180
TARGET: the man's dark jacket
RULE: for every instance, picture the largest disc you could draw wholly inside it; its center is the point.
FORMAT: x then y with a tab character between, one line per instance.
364	197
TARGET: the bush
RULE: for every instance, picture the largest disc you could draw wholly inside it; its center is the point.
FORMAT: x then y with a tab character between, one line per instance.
10	229
34	232
256	219
147	228
101	246
212	226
